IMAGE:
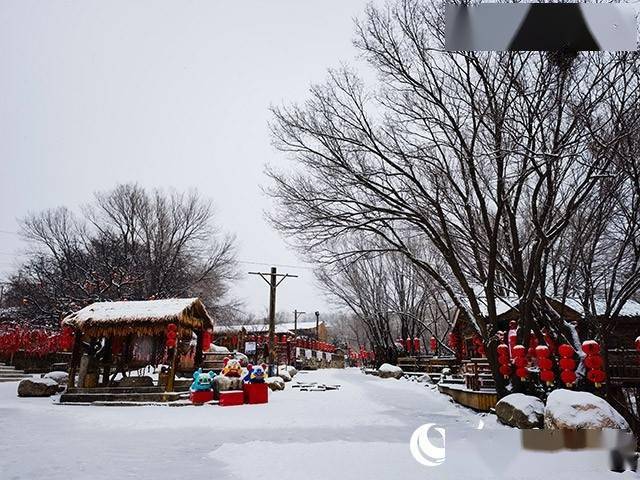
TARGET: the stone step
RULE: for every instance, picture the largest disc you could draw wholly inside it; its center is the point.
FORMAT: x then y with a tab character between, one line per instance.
12	379
121	397
9	369
16	373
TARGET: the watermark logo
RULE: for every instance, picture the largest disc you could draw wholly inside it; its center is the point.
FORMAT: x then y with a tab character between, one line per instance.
422	447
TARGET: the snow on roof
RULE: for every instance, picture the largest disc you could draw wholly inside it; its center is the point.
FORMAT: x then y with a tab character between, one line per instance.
504	304
134	312
261	328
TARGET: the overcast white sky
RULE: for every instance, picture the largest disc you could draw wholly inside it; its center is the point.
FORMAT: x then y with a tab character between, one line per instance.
164	93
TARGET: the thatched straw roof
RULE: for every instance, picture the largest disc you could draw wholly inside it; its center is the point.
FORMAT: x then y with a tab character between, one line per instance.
148	317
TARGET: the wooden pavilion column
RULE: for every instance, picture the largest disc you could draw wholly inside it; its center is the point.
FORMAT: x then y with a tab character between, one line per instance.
197	361
75	358
172	369
107	360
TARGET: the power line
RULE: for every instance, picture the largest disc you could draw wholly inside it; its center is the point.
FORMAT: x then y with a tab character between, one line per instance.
275	264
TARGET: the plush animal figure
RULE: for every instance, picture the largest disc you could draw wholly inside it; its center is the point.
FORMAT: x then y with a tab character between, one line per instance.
256	374
232	368
202	381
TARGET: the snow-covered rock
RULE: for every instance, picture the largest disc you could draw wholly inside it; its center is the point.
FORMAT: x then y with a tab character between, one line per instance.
386	370
291	370
241	357
275	383
425	378
446	371
60	378
521	411
283	373
218	349
574	410
37	387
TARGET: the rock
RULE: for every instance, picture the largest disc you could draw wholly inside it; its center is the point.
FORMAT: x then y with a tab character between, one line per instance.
283	373
37	387
218	349
133	382
567	409
446	371
241	357
386	370
425	379
290	369
275	383
60	378
223	384
521	411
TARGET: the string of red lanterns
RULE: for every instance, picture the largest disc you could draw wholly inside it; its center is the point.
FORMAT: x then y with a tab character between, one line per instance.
520	361
545	363
594	362
503	360
567	364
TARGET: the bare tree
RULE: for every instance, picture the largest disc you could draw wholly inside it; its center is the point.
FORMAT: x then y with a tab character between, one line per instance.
484	156
130	244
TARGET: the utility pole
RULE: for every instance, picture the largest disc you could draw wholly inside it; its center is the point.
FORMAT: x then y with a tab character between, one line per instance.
317	325
295	322
273	283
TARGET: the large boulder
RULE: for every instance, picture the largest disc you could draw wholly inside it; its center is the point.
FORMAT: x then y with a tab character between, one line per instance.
132	382
37	387
59	377
567	409
275	383
521	411
386	370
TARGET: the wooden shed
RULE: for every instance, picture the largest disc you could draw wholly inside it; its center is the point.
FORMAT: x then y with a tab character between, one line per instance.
119	327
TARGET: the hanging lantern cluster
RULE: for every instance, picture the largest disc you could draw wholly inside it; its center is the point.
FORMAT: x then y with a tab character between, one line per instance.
594	362
567	364
520	361
65	340
503	360
545	363
478	345
172	335
454	341
207	338
433	344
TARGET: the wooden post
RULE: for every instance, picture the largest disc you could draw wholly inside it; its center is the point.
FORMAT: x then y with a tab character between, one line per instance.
107	359
75	357
197	361
172	370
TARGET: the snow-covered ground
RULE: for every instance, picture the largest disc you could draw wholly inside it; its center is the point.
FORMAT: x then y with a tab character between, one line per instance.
359	431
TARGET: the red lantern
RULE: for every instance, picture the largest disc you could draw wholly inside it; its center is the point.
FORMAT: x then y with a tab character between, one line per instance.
408	344
433	344
503	349
518	351
172	327
545	363
568	377
206	340
593	362
503	360
567	364
520	362
565	350
522	373
638	344
505	370
547	376
542	351
416	345
591	347
597	377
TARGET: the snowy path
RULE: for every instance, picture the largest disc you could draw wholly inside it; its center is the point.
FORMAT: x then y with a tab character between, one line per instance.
360	431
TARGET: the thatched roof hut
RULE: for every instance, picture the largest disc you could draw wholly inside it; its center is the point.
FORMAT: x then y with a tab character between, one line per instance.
148	317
